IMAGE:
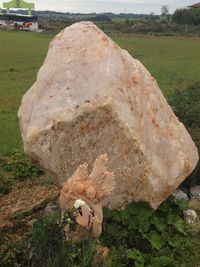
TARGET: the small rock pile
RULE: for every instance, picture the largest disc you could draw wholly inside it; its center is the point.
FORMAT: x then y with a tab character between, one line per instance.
193	196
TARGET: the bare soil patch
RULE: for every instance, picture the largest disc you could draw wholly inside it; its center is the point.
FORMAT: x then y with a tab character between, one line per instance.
24	203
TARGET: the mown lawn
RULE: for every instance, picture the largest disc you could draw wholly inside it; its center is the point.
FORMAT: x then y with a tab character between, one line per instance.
174	62
21	55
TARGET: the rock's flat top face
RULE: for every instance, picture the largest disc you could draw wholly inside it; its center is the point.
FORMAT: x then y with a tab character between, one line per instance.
90	98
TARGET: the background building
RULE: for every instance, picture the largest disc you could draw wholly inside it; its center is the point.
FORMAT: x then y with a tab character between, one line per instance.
17	21
195	6
18	4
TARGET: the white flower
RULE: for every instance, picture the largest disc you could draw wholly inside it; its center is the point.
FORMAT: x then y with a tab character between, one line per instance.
78	203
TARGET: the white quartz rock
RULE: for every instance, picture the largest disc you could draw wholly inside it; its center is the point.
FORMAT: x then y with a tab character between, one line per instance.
190	216
91	98
180	195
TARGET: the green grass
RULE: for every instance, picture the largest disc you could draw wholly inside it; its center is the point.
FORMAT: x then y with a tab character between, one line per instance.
21	55
174	62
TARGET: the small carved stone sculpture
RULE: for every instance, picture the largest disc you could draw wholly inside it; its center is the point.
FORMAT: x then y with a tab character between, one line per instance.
84	193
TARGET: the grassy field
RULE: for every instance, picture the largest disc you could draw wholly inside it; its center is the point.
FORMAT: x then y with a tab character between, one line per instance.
174	62
21	56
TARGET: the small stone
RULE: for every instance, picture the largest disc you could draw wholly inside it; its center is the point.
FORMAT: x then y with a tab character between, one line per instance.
195	192
184	189
190	216
178	194
51	208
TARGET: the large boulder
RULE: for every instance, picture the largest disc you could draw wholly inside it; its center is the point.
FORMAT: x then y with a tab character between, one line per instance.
90	98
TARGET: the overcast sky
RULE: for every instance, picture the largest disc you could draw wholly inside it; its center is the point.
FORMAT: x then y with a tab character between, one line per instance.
115	6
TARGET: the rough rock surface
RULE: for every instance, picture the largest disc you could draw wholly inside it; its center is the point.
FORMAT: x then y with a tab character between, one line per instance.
178	194
190	216
90	98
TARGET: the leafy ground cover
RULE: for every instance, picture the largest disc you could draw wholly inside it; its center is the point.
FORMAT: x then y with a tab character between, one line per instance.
16	167
140	237
136	236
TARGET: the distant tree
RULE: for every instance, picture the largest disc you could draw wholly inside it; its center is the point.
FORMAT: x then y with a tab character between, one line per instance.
127	21
152	16
187	16
182	16
164	10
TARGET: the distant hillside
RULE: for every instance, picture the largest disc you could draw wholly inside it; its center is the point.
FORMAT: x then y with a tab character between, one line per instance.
80	16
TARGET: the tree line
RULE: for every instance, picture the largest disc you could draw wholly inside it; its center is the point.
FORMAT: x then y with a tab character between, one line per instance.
187	16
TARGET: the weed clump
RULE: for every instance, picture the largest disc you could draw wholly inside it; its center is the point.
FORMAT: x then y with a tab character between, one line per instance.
138	236
186	105
46	245
16	167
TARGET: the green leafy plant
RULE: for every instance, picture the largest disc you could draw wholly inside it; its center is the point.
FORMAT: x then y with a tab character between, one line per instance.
19	166
46	246
136	256
139	237
15	167
136	236
6	183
